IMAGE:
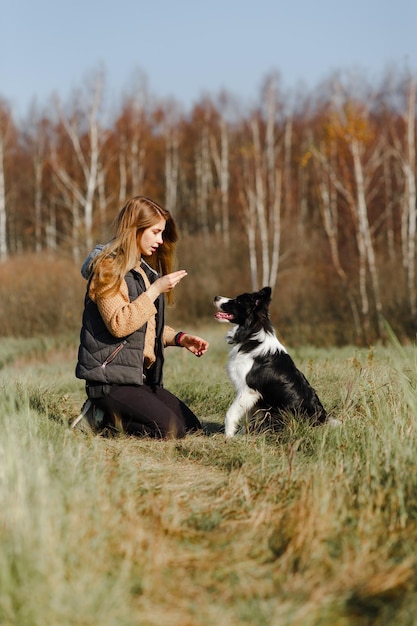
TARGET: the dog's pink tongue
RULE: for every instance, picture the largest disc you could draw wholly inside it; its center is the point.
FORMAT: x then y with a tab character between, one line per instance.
220	315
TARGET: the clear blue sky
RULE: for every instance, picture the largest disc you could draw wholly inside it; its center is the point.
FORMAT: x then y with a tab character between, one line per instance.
186	47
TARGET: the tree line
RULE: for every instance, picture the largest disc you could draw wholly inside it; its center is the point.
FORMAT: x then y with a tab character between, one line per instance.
323	181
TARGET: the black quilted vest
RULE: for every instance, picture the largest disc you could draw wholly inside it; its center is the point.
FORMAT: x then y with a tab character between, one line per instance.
107	360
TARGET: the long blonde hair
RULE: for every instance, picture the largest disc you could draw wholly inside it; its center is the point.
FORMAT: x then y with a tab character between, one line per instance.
121	254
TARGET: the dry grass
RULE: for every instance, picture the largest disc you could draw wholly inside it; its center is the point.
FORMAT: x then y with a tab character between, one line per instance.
305	527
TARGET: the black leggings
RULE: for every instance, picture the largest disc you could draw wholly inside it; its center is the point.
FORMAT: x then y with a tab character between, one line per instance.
144	411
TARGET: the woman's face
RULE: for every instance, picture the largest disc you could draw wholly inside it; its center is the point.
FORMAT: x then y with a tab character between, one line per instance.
150	239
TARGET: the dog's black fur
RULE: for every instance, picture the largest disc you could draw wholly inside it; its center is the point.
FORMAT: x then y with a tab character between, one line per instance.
263	373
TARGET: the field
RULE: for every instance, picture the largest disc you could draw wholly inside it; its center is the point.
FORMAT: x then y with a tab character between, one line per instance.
305	527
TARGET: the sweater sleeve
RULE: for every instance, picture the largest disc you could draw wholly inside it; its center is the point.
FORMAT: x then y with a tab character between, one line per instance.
121	316
169	336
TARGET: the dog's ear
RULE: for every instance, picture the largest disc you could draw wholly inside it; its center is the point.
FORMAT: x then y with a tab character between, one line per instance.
263	296
266	291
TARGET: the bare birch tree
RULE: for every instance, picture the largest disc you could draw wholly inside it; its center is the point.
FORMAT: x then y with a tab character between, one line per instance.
5	126
87	154
171	132
262	181
410	177
220	156
328	187
137	154
353	128
104	199
203	176
248	202
404	149
37	145
3	217
122	171
51	233
172	165
130	140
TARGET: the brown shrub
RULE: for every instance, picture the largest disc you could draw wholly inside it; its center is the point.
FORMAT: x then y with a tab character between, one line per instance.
40	295
43	295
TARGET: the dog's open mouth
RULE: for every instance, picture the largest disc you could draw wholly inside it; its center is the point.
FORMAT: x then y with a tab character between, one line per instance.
221	315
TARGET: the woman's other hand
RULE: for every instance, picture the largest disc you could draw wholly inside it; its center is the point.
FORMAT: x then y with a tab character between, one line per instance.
194	344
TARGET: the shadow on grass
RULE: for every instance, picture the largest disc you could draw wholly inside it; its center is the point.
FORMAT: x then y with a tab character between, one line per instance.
212	428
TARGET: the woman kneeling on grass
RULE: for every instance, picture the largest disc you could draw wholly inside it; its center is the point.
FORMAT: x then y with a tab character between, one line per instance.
123	334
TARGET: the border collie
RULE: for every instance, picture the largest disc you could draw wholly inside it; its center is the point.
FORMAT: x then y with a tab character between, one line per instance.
261	370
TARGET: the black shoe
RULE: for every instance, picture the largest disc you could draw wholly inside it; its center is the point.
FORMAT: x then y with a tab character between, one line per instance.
90	420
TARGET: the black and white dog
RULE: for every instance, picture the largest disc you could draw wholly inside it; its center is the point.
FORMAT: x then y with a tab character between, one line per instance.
262	372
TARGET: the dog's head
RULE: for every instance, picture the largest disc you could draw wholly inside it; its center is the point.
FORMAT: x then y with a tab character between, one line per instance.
245	309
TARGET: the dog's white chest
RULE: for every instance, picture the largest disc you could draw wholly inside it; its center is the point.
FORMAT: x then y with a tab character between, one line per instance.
239	365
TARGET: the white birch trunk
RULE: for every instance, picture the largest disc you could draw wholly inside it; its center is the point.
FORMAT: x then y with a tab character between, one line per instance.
364	236
221	163
172	160
270	137
203	179
410	177
51	230
137	165
260	203
224	180
76	222
122	173
38	204
248	200
274	178
287	166
276	230
389	209
102	201
3	218
91	174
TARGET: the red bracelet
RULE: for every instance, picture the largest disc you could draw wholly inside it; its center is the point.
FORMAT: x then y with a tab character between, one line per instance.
178	338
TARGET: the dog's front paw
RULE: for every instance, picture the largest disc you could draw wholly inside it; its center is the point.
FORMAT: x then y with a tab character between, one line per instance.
229	430
333	421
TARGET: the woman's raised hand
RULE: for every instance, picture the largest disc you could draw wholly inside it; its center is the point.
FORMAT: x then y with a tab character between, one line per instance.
165	283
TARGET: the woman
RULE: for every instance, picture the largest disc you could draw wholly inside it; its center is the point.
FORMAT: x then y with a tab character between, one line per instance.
123	334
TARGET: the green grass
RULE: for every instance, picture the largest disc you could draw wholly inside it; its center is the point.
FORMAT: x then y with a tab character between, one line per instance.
305	527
